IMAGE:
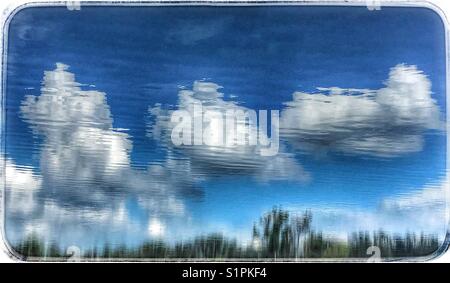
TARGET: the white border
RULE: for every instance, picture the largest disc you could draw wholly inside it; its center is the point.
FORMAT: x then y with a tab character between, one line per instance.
9	8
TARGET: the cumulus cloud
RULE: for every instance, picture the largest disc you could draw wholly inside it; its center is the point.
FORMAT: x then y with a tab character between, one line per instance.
217	153
85	175
80	146
80	143
386	122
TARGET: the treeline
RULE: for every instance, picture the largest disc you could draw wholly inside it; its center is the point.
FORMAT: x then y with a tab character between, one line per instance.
391	246
278	234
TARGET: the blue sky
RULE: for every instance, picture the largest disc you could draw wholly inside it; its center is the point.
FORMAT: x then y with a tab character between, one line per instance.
260	56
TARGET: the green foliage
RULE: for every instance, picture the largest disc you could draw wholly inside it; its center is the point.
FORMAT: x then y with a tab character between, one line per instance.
392	246
32	246
278	234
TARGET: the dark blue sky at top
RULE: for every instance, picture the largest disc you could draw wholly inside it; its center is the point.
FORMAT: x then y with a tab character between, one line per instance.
140	56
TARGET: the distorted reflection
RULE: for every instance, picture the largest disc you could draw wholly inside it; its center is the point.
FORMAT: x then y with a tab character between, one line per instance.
336	144
81	191
222	158
385	122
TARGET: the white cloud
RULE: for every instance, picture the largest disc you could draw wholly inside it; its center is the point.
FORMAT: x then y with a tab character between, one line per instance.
431	196
384	122
426	208
82	154
422	210
212	158
23	183
80	143
79	190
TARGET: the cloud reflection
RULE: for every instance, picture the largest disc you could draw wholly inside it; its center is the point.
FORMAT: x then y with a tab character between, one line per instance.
84	178
211	159
386	122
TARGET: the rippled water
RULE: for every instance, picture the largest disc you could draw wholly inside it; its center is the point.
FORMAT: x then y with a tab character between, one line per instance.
90	157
